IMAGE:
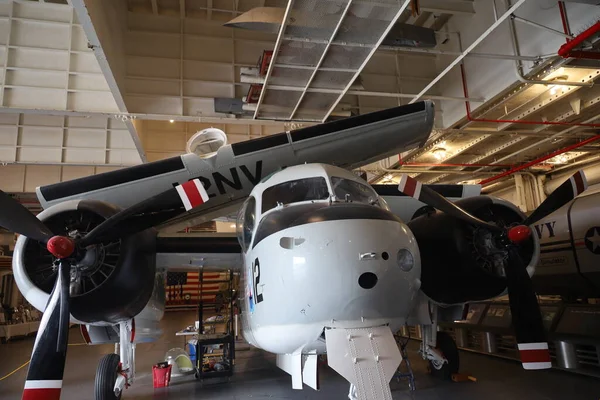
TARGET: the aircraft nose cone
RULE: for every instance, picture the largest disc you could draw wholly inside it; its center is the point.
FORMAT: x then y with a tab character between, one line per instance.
368	280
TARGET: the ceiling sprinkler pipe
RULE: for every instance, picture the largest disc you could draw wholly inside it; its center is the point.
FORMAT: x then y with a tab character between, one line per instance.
567	29
540	160
426	171
418	164
567	49
519	64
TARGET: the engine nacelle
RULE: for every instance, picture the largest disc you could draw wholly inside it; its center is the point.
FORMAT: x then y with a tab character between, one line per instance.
110	282
461	263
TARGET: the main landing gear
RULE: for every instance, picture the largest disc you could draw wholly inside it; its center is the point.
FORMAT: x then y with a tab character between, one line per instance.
440	351
116	372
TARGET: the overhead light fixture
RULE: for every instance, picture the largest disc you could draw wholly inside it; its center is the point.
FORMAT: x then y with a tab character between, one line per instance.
232	226
439	153
171	120
559	159
554	88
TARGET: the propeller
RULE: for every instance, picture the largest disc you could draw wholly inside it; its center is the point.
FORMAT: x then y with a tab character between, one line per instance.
45	374
525	310
17	218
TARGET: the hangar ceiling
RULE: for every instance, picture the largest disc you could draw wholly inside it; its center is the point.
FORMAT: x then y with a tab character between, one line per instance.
89	85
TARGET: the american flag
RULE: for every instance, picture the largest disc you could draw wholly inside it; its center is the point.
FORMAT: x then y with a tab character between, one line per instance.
213	282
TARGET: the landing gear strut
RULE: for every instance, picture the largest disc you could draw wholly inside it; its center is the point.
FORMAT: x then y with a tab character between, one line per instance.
447	347
440	350
115	372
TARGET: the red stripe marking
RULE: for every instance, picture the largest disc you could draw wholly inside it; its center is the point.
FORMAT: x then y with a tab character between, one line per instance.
410	187
190	285
577	244
85	334
192	193
529	356
41	394
579	182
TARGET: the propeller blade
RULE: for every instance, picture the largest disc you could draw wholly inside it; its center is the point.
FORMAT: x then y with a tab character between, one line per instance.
17	218
413	188
46	369
191	194
566	192
526	315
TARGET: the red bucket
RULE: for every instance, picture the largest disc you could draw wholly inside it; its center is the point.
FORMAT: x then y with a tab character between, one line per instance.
161	375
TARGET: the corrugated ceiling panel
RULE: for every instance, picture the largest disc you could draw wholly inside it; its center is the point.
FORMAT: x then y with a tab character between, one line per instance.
337	36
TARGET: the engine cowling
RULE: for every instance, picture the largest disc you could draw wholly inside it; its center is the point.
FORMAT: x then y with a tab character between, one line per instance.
461	263
110	282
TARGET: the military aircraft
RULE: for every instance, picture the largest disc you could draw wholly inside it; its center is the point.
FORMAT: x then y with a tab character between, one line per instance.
570	249
374	272
377	273
90	256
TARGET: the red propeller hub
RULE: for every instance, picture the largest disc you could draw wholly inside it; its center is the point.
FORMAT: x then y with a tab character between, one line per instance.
519	233
60	246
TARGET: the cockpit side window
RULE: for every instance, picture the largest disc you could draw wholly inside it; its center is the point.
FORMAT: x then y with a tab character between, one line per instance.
295	191
354	191
245	223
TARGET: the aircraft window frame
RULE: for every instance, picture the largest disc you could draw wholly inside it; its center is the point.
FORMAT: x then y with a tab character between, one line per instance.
275	194
371	199
246	222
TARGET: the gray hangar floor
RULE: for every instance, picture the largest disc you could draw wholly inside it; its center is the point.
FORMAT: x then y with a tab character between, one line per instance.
257	376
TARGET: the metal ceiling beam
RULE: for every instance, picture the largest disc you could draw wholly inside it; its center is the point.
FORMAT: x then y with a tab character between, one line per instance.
440	21
371	53
465	7
586	105
282	28
366	93
556	135
451	7
480	39
143	116
549	138
415	49
94	43
323	55
422	18
420	171
457	53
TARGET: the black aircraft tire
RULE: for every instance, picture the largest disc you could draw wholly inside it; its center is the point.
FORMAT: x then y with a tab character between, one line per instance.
106	376
447	346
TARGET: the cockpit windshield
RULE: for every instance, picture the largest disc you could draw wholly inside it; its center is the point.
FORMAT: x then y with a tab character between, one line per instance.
352	190
295	191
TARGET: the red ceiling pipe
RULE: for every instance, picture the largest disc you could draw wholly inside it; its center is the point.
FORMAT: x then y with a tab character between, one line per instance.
565	23
590	55
417	164
511	121
539	160
566	50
